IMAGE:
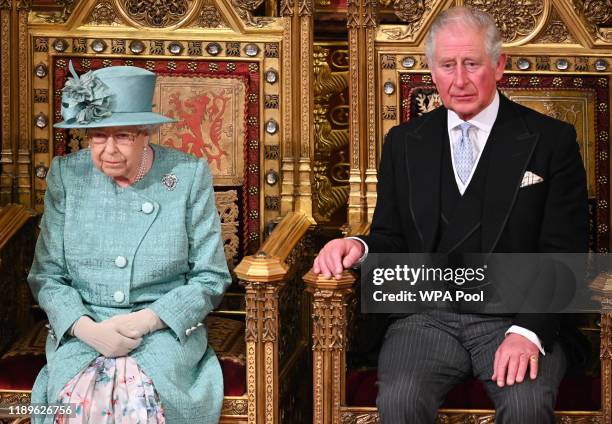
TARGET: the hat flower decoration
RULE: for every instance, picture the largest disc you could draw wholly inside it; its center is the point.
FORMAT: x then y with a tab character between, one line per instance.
85	98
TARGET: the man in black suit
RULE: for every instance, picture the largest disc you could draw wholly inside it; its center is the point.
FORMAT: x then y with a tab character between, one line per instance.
481	174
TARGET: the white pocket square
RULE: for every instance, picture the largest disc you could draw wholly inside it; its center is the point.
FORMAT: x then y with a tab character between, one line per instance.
530	178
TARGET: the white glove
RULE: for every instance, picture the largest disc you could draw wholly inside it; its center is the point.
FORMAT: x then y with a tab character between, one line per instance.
137	324
104	337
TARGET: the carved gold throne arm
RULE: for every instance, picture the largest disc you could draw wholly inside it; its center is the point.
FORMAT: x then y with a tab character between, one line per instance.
276	331
334	304
603	287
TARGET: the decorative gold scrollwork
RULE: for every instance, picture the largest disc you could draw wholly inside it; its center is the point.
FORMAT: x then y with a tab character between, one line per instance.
210	17
329	320
305	8
514	19
369	13
24	4
234	407
598	14
411	11
328	85
467	418
286	8
227	206
606	339
566	111
556	31
353	17
329	197
104	13
412	14
157	13
349	417
245	10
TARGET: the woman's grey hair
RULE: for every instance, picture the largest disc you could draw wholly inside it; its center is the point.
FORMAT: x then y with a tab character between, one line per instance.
148	129
470	17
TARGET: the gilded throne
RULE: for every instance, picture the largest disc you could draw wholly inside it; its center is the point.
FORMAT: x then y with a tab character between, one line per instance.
228	74
560	64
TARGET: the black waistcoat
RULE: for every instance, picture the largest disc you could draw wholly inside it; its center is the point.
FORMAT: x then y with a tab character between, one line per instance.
460	228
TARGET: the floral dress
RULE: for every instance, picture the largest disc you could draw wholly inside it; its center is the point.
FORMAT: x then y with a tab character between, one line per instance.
111	390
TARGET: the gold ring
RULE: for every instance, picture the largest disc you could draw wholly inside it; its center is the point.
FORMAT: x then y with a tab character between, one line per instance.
533	358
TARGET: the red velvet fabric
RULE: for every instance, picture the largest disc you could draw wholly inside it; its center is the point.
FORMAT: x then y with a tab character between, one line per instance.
575	393
19	373
234	377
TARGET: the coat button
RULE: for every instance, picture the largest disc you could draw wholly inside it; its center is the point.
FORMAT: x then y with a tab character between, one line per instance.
147	207
188	332
121	261
119	296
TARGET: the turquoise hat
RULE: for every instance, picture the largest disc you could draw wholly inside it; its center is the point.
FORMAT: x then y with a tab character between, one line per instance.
109	97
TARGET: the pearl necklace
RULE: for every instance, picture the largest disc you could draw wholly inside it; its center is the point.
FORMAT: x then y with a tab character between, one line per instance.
143	165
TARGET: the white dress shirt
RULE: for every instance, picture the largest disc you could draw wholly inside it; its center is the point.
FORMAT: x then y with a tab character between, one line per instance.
479	134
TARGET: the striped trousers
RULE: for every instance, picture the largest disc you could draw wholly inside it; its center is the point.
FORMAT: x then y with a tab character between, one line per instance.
424	355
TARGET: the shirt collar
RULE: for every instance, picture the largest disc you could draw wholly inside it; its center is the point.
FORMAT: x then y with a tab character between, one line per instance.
483	121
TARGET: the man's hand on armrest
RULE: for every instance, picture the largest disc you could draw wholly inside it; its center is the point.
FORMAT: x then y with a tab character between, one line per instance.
338	255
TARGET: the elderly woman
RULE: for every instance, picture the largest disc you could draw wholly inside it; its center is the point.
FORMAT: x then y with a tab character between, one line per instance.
128	263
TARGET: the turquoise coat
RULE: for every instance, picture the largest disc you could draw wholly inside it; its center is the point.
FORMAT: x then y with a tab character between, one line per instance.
105	250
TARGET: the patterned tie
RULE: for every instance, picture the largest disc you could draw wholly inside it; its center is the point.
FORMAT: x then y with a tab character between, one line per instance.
464	161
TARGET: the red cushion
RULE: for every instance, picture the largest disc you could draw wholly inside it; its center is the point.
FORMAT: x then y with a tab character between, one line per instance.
19	372
234	377
575	393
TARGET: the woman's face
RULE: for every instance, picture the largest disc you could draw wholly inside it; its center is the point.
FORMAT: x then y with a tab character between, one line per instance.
117	151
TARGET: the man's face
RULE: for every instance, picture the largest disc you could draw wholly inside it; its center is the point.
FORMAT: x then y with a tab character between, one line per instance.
463	72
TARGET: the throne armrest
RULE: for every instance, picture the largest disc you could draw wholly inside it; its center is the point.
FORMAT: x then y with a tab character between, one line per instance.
276	321
602	285
332	301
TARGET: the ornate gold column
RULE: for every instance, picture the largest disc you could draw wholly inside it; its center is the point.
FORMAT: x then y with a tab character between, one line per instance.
297	163
261	347
21	50
606	353
264	276
362	26
288	153
330	309
7	107
306	136
606	365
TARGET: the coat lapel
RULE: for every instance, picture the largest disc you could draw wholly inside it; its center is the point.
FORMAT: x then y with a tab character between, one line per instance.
512	145
423	159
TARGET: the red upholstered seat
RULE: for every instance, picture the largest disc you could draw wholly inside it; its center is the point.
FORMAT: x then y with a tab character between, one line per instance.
234	377
19	372
21	364
576	393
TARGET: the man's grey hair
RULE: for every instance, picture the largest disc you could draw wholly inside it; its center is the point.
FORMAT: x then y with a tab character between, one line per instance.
470	17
